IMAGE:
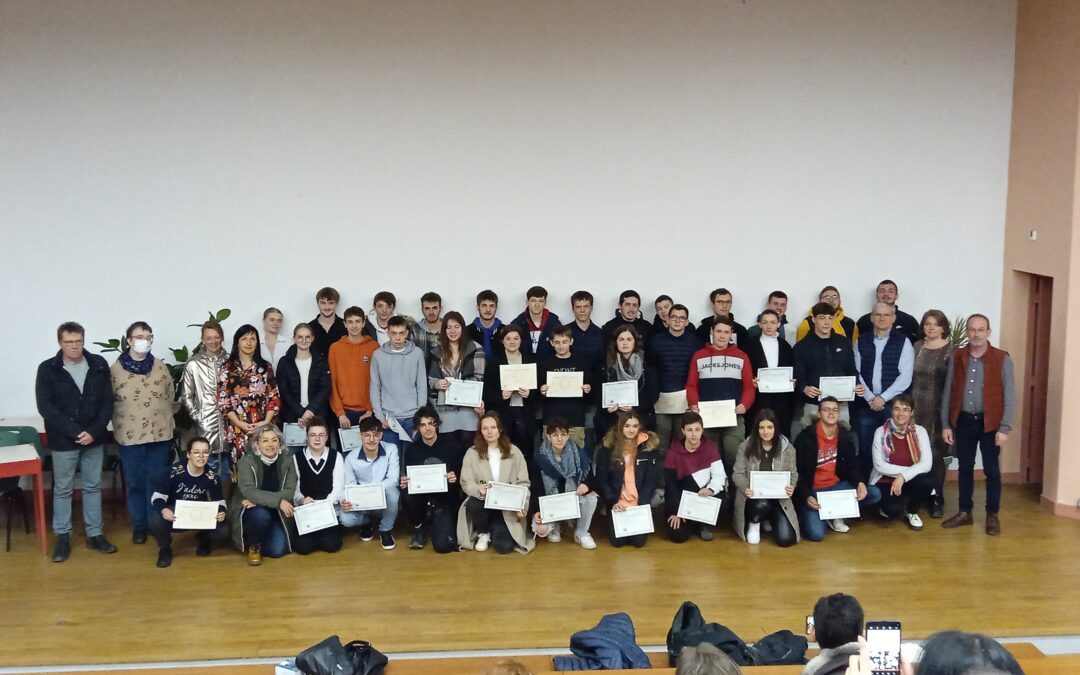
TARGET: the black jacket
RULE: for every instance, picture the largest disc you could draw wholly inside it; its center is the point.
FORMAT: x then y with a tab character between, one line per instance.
738	331
646	472
643	327
493	399
323	338
905	323
543	346
816	357
66	411
753	349
648	392
445	451
806	454
288	380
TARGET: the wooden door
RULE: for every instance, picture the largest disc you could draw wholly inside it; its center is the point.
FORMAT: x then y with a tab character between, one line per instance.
1036	373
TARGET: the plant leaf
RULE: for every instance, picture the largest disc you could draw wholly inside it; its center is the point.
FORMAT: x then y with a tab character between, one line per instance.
223	314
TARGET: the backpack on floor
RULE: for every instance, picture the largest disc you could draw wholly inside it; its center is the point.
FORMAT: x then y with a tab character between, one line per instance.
688	629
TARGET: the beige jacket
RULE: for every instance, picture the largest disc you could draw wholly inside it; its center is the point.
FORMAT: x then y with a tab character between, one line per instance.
740	477
475	472
142	405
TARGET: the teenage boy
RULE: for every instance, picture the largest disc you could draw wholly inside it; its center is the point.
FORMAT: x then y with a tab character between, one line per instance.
190	481
565	467
484	327
692	464
433	515
425	332
777	302
628	313
822	353
320	475
398	382
75	400
888	293
572	409
538	321
721	301
373	463
669	353
327	327
721	372
350	371
382	309
587	336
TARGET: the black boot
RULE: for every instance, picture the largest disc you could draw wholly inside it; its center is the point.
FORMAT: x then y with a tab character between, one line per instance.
419	538
164	557
63	548
937	506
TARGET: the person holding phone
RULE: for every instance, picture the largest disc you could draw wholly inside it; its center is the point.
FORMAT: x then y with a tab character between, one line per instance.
836	625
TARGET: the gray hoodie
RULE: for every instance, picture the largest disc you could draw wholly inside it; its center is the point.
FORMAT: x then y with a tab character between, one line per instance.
398	381
831	661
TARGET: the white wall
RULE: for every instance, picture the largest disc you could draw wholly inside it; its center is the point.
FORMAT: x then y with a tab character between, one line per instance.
158	159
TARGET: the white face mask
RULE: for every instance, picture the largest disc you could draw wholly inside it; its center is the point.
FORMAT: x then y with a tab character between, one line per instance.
141	346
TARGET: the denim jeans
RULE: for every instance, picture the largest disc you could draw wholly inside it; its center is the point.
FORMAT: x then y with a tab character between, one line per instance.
391	436
385	518
868	421
263	528
146	470
86	461
219	464
969	437
813	527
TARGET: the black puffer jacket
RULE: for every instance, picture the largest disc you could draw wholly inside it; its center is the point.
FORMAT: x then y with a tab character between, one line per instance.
288	380
68	412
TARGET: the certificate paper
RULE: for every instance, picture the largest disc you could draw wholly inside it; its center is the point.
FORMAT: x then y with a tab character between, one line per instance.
565	506
620	393
192	515
770	484
365	497
350	439
775	380
718	413
520	376
672	403
426	478
838	504
295	435
565	385
632	521
315	516
465	393
506	497
693	506
843	388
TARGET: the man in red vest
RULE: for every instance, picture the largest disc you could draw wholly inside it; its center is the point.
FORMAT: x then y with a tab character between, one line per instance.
976	413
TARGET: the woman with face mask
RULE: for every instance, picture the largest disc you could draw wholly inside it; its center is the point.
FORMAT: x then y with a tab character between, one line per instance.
143	392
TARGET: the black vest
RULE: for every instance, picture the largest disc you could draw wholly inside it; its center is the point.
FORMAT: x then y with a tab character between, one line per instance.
317	485
890	358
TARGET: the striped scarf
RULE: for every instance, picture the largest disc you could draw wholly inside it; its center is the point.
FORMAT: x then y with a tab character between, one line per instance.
890	431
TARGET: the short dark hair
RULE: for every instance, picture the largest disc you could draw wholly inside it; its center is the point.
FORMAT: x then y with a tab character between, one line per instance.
723	320
769	311
397	322
905	399
660	298
315	421
536	292
426	411
778	294
718	291
838	620
430	296
556	423
888	282
680	308
562	331
196	439
385	296
629	293
138	324
69	327
977	316
354	311
328	293
954	652
508	328
822	308
370	423
690	417
579	296
828	399
488	295
940	319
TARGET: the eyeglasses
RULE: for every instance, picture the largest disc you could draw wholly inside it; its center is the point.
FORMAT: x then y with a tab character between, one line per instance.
676	317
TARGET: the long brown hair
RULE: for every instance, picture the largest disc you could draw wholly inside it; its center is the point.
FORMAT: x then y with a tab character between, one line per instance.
480	444
446	356
613	349
618	442
754	449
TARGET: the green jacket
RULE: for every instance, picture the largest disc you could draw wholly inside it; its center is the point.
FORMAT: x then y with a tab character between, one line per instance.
249	478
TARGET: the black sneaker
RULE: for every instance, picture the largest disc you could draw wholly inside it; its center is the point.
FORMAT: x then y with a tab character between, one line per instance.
63	548
202	546
164	557
937	506
138	537
367	532
100	544
387	538
419	538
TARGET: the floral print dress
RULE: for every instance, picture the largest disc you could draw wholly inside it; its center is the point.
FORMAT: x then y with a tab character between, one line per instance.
250	393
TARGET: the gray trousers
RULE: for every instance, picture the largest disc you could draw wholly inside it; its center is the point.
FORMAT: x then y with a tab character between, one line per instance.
65	463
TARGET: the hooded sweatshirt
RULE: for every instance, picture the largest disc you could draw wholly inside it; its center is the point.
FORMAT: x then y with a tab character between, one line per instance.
680	462
398	381
350	374
720	375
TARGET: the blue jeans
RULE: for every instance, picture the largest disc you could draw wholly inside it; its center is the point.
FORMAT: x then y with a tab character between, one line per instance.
869	421
390	436
263	528
969	437
813	527
219	464
66	463
385	518
146	469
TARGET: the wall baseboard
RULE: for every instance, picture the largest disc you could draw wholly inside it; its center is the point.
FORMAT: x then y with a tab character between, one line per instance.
1065	510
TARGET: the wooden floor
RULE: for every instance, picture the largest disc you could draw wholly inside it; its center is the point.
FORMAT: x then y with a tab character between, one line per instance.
121	608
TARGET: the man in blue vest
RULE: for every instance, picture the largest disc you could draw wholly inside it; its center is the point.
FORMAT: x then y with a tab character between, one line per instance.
885	360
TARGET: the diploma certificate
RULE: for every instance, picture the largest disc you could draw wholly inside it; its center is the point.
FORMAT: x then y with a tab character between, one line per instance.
775	380
195	515
718	413
315	516
838	504
506	497
295	435
620	393
565	506
365	497
426	478
520	376
842	388
770	484
350	439
465	393
632	521
693	506
565	385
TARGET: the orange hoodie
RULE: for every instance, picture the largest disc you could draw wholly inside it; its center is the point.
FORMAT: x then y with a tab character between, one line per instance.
350	374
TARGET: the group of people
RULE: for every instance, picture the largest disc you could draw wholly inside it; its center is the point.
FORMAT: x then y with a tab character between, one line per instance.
378	386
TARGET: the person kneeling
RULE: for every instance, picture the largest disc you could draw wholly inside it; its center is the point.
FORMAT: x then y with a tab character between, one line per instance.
564	467
433	514
626	469
902	461
191	481
320	473
692	464
373	463
492	458
765	450
261	505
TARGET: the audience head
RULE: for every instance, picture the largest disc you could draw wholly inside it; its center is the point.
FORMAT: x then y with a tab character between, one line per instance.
838	620
883	317
957	653
766	433
384	303
536	299
901	410
935	324
705	659
491	433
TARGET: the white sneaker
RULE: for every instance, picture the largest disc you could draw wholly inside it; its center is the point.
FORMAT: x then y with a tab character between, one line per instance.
586	541
555	536
482	542
838	525
914	521
753	533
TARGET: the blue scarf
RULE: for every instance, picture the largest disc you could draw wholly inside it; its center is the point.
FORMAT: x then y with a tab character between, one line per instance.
136	367
573	468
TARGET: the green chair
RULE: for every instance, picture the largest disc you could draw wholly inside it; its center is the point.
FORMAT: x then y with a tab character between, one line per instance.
10	492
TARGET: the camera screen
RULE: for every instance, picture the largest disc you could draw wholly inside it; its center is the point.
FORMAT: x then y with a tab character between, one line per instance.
884	647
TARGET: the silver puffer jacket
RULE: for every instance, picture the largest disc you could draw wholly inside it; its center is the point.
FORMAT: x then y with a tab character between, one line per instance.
199	395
